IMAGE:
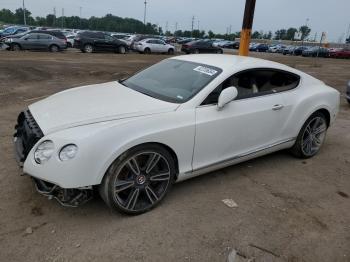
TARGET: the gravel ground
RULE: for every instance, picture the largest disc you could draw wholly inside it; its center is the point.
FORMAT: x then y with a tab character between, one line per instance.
288	209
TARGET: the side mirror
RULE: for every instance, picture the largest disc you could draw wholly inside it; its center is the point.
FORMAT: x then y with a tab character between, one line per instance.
226	96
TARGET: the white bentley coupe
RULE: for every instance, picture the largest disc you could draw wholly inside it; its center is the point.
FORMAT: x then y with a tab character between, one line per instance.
185	116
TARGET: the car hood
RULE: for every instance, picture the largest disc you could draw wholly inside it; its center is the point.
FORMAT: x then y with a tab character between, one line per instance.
93	104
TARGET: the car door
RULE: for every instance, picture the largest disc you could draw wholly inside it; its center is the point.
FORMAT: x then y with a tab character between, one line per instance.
252	122
44	41
163	48
30	41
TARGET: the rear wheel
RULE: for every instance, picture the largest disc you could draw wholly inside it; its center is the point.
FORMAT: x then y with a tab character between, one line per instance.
88	48
138	180
16	47
170	51
147	51
54	48
311	136
121	49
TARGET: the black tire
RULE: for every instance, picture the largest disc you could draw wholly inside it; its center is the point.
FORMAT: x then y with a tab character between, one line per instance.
88	48
300	147
69	45
219	51
16	47
348	100
122	49
125	191
54	48
170	51
147	51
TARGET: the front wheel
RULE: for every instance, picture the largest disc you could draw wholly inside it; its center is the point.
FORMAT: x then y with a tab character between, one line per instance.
147	51
15	47
311	136
138	180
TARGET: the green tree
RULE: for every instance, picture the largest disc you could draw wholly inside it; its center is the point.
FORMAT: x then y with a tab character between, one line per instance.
7	16
280	34
305	31
290	33
19	19
256	35
211	34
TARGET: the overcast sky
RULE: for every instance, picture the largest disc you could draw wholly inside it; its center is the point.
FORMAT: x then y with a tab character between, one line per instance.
331	16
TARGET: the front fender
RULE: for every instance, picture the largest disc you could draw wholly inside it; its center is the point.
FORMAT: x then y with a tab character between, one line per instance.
101	143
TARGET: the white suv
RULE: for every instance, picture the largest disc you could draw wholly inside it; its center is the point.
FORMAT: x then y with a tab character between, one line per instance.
153	45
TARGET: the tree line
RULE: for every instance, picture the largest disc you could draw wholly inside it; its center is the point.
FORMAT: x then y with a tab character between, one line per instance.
114	23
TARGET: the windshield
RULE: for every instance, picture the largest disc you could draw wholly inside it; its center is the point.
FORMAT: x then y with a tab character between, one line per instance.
173	80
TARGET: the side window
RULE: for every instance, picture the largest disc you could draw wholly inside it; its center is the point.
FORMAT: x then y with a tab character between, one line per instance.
108	38
43	36
33	36
257	82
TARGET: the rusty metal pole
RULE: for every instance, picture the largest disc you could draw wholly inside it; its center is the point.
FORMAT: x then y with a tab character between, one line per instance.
247	27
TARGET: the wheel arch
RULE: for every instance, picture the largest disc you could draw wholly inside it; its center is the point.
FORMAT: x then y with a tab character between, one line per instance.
166	147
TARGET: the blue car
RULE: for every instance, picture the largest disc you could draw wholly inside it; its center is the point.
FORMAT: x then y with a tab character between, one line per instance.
13	30
259	48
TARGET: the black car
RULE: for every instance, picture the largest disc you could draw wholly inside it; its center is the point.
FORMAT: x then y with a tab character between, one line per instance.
89	42
233	45
201	46
299	50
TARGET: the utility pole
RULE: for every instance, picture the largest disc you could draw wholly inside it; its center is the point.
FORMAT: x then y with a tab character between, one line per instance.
54	16
24	13
166	26
247	27
80	11
198	25
144	13
192	26
62	18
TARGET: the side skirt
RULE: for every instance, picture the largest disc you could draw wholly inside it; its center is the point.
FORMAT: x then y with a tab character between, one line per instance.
238	159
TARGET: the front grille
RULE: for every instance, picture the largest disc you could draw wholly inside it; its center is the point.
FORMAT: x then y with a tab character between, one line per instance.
27	134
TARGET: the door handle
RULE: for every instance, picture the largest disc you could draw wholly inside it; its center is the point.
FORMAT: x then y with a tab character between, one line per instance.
277	107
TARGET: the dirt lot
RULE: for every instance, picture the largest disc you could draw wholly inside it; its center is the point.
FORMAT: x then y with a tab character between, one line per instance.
288	209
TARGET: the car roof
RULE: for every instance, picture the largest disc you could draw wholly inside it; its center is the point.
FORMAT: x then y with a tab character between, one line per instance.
230	62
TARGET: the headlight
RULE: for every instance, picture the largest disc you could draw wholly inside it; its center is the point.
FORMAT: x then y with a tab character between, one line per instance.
44	151
68	152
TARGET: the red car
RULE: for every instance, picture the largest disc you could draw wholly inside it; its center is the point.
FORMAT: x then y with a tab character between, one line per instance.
340	53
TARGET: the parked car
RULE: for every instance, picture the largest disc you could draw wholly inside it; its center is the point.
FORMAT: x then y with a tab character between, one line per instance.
339	53
276	48
259	48
70	40
152	45
36	41
89	42
316	51
200	46
299	50
13	30
288	50
182	117
57	34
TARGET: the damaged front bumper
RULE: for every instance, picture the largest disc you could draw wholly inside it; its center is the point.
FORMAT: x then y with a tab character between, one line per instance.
72	197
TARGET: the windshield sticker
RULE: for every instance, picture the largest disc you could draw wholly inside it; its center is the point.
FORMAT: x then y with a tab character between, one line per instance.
205	70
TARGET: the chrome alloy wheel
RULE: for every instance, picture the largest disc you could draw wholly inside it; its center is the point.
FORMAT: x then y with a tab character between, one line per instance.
142	181
313	136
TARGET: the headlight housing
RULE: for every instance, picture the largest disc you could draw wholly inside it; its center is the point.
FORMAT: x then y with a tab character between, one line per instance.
68	152
44	151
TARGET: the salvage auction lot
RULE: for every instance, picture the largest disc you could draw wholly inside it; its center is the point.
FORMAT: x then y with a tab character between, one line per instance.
288	209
